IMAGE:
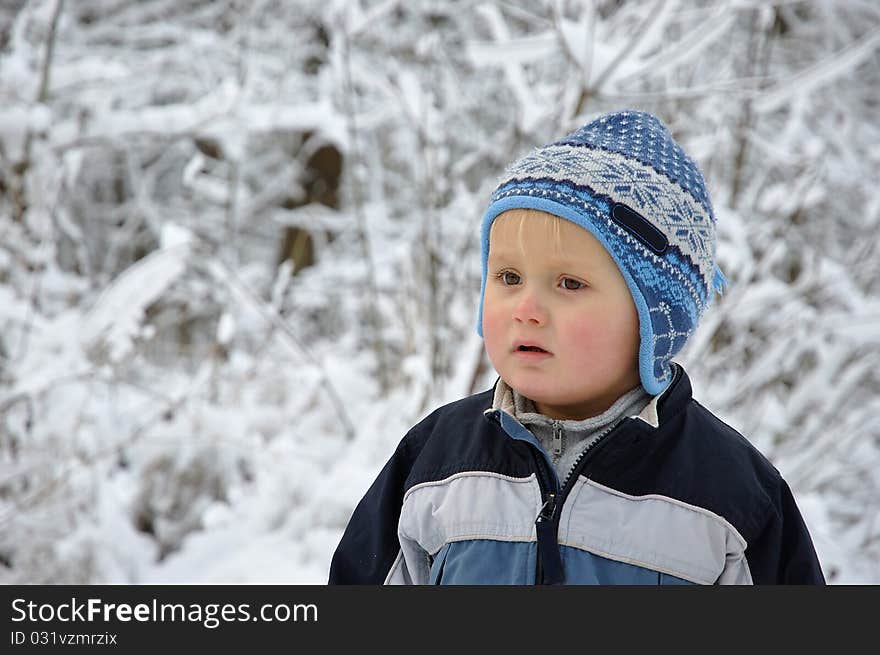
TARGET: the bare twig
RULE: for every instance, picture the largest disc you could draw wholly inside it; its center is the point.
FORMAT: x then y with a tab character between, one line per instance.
43	94
592	89
372	308
19	194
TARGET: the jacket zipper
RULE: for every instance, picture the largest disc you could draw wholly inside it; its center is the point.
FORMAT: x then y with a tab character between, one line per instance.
547	523
588	449
549	569
549	559
557	439
548	483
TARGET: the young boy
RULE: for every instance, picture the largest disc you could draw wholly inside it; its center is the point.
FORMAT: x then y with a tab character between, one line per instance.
589	462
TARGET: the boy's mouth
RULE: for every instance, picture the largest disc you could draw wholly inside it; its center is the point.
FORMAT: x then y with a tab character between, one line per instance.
529	347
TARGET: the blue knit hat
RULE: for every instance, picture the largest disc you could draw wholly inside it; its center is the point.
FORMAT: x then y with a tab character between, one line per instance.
623	178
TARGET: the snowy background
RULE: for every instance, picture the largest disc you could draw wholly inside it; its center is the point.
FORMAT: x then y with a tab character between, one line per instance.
239	254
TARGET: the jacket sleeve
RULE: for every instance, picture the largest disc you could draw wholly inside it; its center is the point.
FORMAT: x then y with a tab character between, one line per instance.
369	551
783	552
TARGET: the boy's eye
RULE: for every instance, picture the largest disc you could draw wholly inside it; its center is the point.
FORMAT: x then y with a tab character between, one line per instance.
565	284
509	278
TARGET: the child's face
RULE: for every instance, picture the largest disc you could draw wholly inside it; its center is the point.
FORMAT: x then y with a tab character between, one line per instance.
570	300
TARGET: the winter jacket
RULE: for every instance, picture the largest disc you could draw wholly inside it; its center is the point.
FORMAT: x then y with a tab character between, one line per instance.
673	496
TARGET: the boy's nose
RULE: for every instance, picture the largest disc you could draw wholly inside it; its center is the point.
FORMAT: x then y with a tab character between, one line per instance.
529	310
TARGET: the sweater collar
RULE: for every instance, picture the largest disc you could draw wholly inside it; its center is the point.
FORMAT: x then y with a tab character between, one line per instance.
662	406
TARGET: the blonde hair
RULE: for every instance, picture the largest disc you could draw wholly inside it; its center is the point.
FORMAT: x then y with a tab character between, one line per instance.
514	220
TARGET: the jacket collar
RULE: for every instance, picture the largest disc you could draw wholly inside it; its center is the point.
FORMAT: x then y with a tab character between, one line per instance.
655	413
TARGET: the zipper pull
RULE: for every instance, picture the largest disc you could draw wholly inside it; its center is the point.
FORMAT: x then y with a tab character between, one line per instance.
550	568
548	510
557	438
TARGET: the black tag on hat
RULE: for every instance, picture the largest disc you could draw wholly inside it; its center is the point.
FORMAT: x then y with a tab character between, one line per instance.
640	227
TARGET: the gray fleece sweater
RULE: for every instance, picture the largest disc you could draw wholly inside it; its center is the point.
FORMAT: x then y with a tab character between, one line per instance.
565	440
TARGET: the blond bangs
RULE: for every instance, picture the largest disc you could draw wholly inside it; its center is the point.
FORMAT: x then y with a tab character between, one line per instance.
510	227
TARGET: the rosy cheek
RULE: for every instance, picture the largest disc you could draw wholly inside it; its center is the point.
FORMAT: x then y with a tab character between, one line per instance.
585	334
601	339
494	327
